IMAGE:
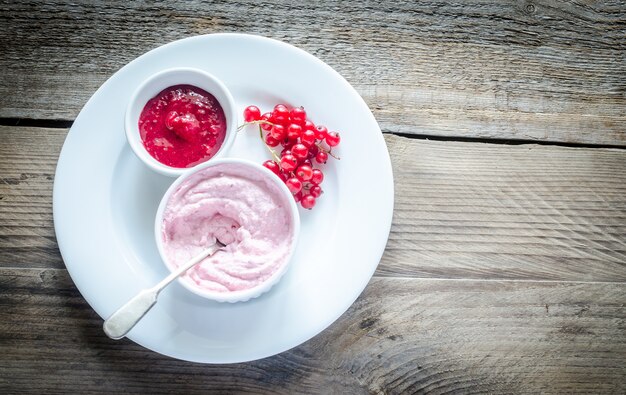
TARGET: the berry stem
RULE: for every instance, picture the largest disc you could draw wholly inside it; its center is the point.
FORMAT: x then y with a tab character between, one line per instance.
259	122
328	151
274	156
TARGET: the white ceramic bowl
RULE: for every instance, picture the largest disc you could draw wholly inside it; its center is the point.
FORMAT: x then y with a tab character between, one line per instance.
233	296
164	79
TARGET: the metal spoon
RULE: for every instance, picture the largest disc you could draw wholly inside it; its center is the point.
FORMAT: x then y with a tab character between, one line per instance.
127	316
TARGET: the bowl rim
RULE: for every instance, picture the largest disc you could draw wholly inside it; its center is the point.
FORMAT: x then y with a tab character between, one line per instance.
133	107
246	294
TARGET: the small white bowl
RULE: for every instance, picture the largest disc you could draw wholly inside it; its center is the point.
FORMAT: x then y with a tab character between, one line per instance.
247	294
165	79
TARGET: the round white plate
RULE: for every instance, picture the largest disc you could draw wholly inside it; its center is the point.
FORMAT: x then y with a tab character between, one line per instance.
105	201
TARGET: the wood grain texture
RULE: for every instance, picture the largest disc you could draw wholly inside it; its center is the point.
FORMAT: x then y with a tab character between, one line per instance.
28	158
505	271
401	336
544	70
472	210
462	210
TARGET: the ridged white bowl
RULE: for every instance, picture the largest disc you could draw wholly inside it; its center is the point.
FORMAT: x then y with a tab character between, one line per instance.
242	295
165	79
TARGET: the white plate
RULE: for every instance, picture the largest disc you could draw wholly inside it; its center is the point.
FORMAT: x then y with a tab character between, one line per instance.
105	201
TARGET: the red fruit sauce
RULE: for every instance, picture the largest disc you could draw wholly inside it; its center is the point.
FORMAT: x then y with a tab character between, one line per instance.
182	126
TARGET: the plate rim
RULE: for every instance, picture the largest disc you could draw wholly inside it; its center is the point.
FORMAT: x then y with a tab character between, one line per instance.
386	172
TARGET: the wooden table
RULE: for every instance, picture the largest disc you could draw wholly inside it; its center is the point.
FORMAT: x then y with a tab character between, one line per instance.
505	270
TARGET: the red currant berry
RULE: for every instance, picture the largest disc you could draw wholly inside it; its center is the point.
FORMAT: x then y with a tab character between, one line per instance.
297	115
266	117
288	162
278	132
294	131
298	196
332	139
273	166
313	150
321	157
271	141
321	131
282	108
307	138
280	120
285	152
294	185
308	125
304	172
308	201
317	177
307	162
316	191
280	114
286	143
300	151
251	113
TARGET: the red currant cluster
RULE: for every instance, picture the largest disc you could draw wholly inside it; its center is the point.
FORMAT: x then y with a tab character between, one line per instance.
302	142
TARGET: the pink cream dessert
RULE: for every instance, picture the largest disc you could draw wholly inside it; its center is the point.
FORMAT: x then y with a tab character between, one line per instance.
245	208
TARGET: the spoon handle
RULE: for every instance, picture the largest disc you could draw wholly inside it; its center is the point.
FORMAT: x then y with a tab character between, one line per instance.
188	265
127	316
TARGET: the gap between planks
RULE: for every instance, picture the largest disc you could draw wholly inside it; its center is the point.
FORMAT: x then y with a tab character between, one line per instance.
67	124
402	278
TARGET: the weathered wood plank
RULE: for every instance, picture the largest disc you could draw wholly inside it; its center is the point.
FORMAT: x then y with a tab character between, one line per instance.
463	210
473	210
401	336
28	158
545	70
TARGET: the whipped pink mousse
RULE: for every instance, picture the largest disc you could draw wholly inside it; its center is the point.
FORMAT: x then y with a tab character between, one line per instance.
241	207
